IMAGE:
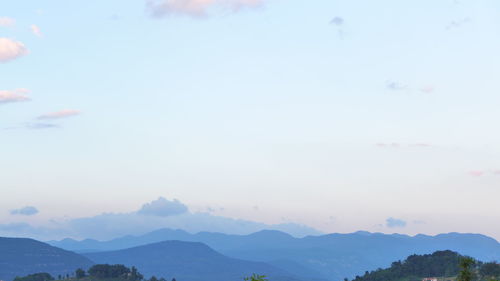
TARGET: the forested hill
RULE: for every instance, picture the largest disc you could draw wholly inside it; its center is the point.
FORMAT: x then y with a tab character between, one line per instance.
438	264
19	256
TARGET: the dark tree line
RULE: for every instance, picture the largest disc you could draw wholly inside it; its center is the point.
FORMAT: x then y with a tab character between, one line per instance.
438	264
98	271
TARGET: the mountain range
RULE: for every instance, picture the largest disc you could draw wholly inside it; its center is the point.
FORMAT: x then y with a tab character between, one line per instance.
20	256
329	257
190	261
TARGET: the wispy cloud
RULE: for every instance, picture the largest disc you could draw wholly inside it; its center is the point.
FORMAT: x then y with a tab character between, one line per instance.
25	211
39	126
458	23
6	22
395	86
427	89
393	222
36	30
17	95
197	8
11	50
59	114
338	21
482	173
476	173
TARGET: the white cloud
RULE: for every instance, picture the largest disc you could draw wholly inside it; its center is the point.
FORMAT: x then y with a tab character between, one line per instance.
36	30
5	21
163	208
25	211
60	114
393	222
10	50
13	96
197	8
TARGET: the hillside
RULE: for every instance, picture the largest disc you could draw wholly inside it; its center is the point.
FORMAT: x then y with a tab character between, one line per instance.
333	256
19	257
187	261
442	264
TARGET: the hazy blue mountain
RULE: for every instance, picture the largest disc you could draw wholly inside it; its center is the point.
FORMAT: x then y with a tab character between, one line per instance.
187	261
20	257
332	256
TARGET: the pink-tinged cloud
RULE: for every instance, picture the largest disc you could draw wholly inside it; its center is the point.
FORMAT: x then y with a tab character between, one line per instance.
36	30
60	114
11	50
197	8
422	145
17	95
388	145
476	173
427	89
6	22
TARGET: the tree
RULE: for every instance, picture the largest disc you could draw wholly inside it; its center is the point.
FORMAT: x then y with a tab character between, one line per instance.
36	277
80	273
466	273
256	277
490	269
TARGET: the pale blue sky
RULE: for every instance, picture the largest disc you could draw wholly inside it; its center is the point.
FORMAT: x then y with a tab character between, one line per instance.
270	113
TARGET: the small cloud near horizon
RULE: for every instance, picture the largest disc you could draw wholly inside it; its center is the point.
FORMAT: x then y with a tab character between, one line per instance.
163	208
394	223
25	211
59	114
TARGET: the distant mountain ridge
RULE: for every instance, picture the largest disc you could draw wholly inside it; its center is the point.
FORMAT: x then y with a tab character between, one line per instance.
21	256
332	256
191	261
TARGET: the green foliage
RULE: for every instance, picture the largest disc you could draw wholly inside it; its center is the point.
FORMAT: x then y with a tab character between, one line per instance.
416	267
102	271
466	269
490	271
80	273
36	277
256	277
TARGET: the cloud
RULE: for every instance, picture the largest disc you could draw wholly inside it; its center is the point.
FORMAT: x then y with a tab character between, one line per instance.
25	211
458	23
338	21
388	145
17	95
6	22
427	89
36	30
393	222
163	208
39	126
396	86
400	145
59	114
196	8
108	225
422	145
11	50
476	173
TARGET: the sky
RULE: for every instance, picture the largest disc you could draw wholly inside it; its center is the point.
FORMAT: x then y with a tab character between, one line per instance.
237	115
